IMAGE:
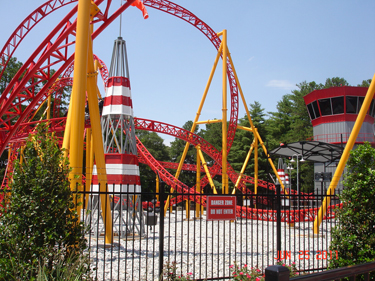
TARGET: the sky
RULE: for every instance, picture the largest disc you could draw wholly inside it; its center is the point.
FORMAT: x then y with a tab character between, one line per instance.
275	45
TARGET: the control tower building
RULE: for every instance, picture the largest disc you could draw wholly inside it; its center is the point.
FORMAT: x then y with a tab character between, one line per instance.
333	113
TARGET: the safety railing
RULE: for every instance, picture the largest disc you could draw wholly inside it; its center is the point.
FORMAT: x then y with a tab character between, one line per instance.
337	138
145	244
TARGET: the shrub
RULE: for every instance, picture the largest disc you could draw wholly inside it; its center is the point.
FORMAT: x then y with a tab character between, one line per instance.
354	236
247	273
72	269
170	273
292	268
39	224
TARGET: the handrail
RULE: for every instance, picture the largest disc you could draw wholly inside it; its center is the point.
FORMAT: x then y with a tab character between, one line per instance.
281	273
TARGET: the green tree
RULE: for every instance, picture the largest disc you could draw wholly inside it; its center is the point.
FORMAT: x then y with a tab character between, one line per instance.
365	83
354	236
243	140
291	123
335	82
176	151
279	123
213	134
39	224
11	69
178	146
301	127
154	143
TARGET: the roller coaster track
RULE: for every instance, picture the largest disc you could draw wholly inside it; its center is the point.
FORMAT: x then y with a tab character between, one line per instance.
11	101
37	69
34	82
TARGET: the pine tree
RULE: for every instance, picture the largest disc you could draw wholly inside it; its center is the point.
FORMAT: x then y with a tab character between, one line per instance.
244	139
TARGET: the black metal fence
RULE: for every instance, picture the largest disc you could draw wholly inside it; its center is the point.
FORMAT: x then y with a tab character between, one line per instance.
146	244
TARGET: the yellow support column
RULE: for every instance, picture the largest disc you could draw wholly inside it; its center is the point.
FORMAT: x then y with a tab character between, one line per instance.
204	163
49	107
198	185
256	163
256	166
68	128
225	188
21	154
256	134
89	165
92	94
77	102
243	168
195	121
345	155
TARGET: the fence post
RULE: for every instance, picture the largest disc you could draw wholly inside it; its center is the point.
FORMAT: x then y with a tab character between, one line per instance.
277	273
278	218
161	229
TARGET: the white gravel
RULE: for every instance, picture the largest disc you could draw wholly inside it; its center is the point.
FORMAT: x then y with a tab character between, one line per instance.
208	248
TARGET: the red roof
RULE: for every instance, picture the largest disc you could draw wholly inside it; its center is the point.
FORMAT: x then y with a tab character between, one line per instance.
337	92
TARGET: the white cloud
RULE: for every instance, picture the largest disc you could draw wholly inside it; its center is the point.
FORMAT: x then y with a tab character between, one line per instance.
283	84
167	141
250	59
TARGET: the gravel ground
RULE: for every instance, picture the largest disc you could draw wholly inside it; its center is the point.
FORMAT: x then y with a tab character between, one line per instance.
208	248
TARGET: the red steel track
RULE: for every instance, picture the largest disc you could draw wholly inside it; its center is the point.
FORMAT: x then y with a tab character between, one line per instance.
34	82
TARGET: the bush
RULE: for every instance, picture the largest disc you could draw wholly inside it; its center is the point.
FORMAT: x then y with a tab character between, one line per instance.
170	273
39	224
354	236
72	269
247	273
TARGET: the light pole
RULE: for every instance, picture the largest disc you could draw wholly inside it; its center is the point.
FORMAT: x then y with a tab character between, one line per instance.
302	160
290	168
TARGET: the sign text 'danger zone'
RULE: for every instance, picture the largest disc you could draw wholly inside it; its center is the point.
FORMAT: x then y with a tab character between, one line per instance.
221	208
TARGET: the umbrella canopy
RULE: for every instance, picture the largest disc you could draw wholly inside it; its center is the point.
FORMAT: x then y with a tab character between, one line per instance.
315	151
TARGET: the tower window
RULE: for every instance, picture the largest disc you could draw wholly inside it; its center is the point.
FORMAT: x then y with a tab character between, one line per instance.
338	105
351	104
360	102
371	110
311	111
316	109
325	107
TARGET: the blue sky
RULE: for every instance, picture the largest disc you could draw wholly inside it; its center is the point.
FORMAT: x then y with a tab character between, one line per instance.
274	45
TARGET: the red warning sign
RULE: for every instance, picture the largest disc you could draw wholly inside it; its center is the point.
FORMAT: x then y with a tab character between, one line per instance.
221	208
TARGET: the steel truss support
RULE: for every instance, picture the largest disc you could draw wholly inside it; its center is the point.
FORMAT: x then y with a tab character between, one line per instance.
126	210
120	144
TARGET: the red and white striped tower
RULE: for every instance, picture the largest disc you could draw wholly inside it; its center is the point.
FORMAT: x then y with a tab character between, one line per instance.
119	141
280	170
287	183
